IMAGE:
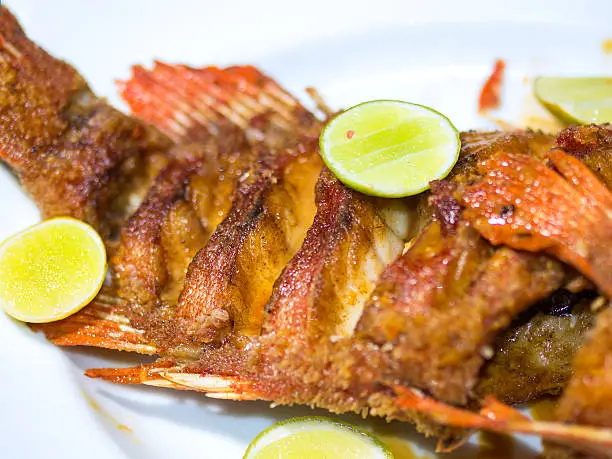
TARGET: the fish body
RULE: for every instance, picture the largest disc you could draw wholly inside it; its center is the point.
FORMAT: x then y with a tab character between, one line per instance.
253	273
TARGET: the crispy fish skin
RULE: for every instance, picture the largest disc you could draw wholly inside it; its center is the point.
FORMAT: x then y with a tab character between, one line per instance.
255	184
441	337
526	205
231	279
140	266
71	151
592	145
340	376
476	147
322	290
182	208
211	190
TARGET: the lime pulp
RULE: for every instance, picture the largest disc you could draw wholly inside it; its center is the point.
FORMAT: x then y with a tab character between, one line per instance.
576	100
316	438
51	270
390	148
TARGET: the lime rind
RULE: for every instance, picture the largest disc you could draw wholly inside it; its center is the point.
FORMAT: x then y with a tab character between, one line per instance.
580	100
407	145
21	299
293	426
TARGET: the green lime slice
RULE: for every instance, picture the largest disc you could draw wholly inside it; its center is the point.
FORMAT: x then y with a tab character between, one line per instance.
51	270
316	438
390	148
576	100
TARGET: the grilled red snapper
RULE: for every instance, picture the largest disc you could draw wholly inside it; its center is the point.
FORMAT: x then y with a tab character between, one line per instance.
254	273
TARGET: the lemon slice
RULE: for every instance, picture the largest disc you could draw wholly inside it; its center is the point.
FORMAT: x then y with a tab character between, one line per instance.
51	270
576	100
316	438
390	148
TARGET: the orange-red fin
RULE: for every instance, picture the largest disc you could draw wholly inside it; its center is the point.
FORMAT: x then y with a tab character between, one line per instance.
170	374
142	374
563	210
497	417
494	409
188	103
99	324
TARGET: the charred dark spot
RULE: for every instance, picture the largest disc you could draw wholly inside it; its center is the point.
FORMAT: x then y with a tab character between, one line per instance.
255	211
345	218
447	209
562	301
506	211
559	303
34	149
82	106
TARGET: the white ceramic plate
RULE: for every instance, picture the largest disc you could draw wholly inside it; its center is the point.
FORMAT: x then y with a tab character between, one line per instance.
434	53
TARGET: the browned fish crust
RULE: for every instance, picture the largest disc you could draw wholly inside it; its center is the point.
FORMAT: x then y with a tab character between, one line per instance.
255	185
322	290
526	205
72	151
140	264
440	307
592	145
231	279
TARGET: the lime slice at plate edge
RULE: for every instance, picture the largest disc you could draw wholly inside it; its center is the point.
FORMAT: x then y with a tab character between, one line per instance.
390	148
316	438
51	270
576	100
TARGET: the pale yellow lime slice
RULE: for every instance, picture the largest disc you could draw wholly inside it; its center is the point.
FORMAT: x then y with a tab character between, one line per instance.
576	100
51	270
390	148
316	438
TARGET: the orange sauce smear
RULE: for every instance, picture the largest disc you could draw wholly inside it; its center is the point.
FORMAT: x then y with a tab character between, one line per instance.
401	449
97	408
490	97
